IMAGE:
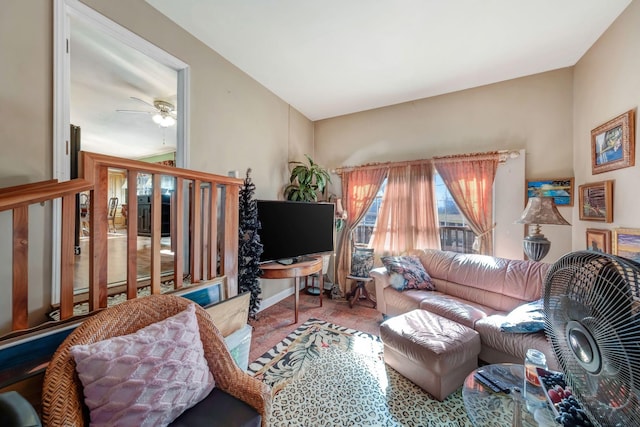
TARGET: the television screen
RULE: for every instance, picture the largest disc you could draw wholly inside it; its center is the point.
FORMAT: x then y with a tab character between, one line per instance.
294	229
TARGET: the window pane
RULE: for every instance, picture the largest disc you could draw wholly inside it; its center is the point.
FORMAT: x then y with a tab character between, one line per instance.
362	233
455	235
448	212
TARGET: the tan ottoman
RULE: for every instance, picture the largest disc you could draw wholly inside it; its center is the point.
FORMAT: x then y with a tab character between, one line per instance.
434	352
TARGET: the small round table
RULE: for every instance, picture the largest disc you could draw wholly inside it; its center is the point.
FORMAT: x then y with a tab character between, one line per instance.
359	290
487	408
295	271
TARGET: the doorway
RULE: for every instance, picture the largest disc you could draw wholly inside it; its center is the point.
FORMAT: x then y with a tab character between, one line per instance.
108	81
99	68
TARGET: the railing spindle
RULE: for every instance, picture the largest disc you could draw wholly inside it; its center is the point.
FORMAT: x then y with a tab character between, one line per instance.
20	295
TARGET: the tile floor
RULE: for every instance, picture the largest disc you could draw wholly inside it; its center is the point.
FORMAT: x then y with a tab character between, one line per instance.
276	322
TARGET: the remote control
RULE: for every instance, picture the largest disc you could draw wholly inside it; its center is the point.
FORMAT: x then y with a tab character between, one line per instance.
500	385
485	382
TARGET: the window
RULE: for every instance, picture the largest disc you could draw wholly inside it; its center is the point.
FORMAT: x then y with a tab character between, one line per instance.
455	235
364	229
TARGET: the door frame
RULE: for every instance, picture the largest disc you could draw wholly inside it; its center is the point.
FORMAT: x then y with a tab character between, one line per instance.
63	10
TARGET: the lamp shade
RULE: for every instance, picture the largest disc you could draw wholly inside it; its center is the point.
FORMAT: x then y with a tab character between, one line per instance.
541	210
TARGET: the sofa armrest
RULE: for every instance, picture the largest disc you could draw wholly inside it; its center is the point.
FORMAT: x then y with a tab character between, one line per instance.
381	281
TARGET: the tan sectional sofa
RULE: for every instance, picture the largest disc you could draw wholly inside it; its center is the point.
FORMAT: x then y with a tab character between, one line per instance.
477	291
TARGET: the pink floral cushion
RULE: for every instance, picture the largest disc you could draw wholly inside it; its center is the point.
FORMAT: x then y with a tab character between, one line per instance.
147	378
407	272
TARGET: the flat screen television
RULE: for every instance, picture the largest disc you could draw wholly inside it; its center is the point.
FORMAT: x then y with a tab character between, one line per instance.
291	230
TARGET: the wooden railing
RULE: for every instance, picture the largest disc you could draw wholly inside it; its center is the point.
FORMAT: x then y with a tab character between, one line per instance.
199	203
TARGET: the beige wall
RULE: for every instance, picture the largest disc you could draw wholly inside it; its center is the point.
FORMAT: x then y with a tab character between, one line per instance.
531	113
235	122
607	84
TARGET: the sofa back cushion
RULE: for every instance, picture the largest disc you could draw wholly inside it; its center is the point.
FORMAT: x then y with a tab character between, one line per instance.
499	283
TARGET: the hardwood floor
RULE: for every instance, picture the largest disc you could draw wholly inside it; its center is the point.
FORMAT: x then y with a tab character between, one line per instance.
117	258
276	322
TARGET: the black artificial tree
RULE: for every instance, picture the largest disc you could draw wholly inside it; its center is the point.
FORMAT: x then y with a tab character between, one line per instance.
250	248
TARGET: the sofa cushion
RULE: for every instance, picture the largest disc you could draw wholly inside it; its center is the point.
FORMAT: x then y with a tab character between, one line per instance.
411	270
402	302
147	378
483	297
513	344
464	312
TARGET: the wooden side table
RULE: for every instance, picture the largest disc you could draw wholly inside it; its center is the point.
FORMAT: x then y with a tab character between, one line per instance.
273	270
359	289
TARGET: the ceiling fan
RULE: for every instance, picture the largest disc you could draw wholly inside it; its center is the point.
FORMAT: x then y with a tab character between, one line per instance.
164	113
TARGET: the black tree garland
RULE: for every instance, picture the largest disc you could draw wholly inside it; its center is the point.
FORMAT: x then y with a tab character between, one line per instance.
250	248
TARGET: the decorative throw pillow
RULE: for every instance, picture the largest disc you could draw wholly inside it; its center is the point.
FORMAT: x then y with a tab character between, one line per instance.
525	319
407	272
361	262
147	378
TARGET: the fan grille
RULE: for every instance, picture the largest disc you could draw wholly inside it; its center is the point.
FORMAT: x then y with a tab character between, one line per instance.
592	303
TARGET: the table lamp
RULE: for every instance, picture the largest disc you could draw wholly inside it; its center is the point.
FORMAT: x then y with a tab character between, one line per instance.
539	210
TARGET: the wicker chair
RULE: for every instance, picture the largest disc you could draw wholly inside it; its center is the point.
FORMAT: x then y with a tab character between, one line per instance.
62	395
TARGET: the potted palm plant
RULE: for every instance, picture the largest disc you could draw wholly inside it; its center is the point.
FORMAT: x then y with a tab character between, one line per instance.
307	180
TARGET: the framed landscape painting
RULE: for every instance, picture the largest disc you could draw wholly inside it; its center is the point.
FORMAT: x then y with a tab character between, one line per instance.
596	201
613	144
626	243
599	240
561	189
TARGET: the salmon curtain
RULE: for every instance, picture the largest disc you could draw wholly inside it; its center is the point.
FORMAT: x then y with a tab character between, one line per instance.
359	189
469	179
407	217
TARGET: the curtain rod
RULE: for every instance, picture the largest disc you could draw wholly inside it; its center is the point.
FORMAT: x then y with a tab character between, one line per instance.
504	155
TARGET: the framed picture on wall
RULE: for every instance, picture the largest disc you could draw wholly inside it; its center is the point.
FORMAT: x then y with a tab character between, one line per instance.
599	240
613	144
596	201
561	189
626	243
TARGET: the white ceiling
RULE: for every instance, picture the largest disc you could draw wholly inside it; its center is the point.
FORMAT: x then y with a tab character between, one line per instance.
333	57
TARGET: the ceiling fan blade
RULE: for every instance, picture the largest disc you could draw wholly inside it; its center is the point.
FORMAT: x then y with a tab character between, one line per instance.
144	102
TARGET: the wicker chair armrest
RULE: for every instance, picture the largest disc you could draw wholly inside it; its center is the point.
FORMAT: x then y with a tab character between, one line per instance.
228	376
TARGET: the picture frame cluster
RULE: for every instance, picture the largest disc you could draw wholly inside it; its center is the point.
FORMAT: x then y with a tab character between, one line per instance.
612	148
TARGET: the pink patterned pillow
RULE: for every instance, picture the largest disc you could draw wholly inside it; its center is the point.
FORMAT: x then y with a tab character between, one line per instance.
407	273
147	378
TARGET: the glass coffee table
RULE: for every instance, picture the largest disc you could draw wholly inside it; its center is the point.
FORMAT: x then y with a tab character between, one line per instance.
488	408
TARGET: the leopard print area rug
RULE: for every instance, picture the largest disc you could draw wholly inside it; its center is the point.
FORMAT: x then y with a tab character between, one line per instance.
327	375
